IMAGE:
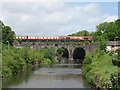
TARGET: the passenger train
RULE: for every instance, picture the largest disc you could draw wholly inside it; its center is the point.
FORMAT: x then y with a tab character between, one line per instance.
80	38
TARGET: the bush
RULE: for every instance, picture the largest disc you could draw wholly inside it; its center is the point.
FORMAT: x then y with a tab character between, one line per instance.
115	79
87	60
16	59
98	68
116	62
46	61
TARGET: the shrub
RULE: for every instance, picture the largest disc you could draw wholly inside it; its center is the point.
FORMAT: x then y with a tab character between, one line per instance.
115	79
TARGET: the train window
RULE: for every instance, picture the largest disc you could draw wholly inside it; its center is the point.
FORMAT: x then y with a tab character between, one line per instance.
48	37
51	37
28	37
16	37
67	37
112	46
44	37
85	38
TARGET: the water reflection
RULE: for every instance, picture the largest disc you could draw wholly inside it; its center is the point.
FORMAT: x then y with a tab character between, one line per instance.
67	75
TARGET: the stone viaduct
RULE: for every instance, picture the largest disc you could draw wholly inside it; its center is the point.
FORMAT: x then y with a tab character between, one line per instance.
70	47
111	45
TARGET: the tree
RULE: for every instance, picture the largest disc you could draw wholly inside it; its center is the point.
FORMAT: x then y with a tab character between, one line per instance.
117	22
81	33
7	35
107	30
1	25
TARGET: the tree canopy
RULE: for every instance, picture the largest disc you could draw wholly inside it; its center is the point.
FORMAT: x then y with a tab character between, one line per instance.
7	34
109	31
81	33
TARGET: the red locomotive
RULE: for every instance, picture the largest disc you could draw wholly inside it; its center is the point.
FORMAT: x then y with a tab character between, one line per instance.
80	38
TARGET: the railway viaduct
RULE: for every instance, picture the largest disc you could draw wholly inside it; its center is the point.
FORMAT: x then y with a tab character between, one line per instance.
70	47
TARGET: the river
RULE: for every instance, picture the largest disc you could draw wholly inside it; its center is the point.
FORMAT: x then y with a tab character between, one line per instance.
64	75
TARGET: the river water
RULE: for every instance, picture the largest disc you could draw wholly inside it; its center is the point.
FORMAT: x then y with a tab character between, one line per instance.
65	75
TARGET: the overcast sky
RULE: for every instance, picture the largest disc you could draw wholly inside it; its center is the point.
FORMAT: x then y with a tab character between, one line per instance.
56	18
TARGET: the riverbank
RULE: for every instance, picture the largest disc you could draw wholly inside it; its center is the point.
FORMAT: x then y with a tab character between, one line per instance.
15	60
100	71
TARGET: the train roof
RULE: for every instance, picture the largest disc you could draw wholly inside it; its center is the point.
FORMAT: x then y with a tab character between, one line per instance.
55	36
76	36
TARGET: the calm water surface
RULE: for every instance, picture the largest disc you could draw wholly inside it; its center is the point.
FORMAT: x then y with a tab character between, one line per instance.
54	76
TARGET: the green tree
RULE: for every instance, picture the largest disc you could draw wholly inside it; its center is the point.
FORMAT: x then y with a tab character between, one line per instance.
117	22
7	35
107	30
81	33
1	25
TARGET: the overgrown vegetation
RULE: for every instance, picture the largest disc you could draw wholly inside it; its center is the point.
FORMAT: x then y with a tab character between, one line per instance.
99	70
15	60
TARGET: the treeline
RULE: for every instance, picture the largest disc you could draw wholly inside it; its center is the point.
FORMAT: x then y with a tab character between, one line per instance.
110	31
15	60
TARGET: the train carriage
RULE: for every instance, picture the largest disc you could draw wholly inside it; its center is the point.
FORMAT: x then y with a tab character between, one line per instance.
63	38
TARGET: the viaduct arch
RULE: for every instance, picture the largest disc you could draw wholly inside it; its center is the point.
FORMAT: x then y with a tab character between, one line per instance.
70	47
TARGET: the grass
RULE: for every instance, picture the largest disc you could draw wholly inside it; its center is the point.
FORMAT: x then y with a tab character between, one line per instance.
99	71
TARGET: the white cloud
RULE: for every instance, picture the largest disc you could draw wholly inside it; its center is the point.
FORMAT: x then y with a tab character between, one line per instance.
51	18
110	18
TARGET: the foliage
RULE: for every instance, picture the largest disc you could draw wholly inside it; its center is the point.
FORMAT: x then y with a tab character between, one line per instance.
109	31
115	79
99	70
46	62
87	59
19	40
103	44
81	33
62	52
116	58
7	34
18	59
117	22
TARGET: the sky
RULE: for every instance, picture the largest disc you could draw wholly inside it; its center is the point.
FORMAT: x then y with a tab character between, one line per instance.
56	18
